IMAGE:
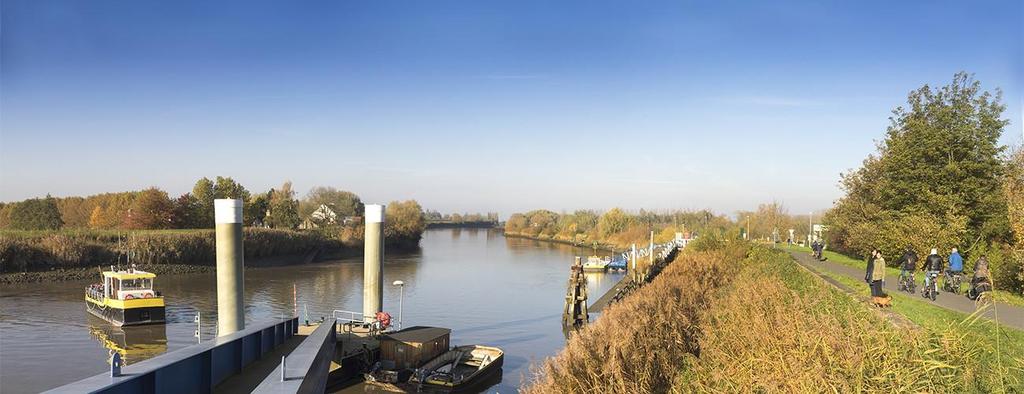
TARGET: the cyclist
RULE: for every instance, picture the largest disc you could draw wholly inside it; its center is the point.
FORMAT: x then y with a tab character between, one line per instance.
932	265
908	263
956	265
980	281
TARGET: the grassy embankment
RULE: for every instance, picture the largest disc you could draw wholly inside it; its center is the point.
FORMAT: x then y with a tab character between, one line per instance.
731	318
894	273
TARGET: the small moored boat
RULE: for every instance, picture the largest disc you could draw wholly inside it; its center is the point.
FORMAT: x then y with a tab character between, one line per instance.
126	298
460	368
596	264
618	263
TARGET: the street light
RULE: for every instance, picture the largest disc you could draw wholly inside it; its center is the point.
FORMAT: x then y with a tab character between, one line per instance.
401	296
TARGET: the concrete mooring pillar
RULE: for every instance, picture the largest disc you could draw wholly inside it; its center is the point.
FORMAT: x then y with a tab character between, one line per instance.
230	266
373	262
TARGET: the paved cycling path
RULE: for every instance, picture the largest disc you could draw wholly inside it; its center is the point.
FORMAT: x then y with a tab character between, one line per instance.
1009	315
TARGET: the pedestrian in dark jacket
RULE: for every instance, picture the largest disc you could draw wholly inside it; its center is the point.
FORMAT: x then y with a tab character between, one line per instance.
870	267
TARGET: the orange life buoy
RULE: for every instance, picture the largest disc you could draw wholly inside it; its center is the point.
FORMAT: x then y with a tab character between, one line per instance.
384	318
129	297
148	295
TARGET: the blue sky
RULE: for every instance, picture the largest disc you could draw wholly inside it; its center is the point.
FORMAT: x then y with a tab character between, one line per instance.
480	106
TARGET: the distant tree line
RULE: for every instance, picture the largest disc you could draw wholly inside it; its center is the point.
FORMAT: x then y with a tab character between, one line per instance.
614	227
333	212
435	216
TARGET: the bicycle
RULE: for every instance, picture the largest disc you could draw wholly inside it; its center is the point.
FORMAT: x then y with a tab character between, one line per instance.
931	288
977	288
906	283
951	283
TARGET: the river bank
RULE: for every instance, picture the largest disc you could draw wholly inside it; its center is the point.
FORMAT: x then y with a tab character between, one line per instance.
449	224
83	273
27	257
599	246
744	302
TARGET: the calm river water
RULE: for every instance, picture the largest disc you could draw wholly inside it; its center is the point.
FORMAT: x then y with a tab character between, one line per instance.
488	289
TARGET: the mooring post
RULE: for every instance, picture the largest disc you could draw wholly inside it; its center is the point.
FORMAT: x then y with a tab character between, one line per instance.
115	365
633	271
373	262
284	365
575	313
650	259
230	266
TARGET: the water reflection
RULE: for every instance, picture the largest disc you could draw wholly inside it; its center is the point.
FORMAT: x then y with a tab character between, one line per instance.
487	288
133	343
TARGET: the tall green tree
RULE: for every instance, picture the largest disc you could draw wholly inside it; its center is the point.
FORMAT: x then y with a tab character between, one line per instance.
940	162
228	188
35	214
255	210
203	193
184	209
284	209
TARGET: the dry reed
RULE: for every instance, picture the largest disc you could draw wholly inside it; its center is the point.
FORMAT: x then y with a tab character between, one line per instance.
715	321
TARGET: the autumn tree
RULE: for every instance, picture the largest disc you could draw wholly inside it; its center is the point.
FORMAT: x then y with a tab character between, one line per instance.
5	214
75	211
404	220
152	209
110	209
516	223
612	222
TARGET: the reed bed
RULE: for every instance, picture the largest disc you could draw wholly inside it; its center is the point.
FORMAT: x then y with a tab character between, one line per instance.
736	319
22	251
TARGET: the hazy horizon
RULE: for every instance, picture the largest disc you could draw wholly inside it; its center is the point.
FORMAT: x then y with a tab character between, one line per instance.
480	107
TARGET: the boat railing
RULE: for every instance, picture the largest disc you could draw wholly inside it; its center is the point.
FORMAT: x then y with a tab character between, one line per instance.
94	293
343	317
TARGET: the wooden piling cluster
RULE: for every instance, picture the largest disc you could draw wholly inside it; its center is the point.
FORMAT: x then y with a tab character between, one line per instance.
575	312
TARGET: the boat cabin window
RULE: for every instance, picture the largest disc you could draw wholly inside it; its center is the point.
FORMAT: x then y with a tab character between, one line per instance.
137	284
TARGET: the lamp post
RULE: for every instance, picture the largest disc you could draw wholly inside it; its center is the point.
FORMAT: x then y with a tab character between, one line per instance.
401	296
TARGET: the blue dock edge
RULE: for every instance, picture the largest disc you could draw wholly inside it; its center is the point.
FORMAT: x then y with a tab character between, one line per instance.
194	369
307	367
